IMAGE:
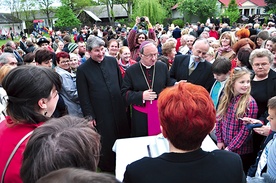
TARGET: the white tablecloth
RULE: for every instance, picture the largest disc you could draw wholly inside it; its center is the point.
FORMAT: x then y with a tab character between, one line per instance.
131	149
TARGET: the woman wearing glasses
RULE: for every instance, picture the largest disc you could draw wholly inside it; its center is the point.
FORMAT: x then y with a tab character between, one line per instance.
263	88
68	91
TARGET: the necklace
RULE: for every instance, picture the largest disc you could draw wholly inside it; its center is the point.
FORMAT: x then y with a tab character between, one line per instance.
150	87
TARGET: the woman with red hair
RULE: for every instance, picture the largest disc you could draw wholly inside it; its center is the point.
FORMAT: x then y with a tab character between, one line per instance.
185	129
242	33
245	43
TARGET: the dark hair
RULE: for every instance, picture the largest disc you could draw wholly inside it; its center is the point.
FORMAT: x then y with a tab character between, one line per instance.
74	175
43	55
221	65
60	143
8	49
138	34
67	38
243	56
62	54
25	86
29	57
194	118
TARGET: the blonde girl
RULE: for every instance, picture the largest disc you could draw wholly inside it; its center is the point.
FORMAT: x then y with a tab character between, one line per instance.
236	103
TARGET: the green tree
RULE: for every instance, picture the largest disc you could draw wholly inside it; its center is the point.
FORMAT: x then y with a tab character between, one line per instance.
168	4
271	6
202	8
76	5
127	5
66	18
45	7
149	8
232	11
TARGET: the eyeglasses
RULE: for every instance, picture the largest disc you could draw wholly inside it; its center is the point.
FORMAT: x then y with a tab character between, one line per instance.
151	55
261	64
65	62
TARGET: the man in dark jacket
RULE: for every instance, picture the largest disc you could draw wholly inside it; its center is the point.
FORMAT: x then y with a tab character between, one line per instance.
98	83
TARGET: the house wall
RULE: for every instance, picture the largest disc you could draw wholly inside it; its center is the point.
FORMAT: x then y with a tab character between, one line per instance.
16	28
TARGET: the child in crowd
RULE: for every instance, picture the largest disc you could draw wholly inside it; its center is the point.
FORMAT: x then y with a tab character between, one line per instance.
255	172
236	103
221	69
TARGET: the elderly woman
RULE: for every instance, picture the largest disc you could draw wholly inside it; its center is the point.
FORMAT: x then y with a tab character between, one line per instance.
30	104
135	38
226	42
74	62
68	91
263	88
168	50
185	129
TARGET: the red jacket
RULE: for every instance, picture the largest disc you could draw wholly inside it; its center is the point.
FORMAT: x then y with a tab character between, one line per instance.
10	135
214	34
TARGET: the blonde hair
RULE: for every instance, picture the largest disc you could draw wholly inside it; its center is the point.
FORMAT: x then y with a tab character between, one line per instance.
121	50
230	35
211	51
4	70
242	104
167	47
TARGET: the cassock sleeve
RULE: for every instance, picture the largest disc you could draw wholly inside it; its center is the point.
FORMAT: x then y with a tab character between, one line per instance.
83	93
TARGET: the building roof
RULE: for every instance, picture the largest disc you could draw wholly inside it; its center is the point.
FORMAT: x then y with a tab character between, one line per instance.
92	15
101	11
7	18
256	2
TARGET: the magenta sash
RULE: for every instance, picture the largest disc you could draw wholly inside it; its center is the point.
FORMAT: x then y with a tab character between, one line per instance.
153	119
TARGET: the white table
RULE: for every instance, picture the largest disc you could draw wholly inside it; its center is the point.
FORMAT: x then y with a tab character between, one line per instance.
131	149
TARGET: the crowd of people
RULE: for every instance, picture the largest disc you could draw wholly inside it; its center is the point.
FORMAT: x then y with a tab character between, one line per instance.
66	99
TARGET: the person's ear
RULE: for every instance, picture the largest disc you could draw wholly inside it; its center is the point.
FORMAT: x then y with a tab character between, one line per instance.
42	103
163	132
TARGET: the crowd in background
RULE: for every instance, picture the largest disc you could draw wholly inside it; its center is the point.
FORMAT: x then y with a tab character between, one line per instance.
113	77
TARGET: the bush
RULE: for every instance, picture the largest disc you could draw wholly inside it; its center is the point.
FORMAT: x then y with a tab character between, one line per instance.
178	22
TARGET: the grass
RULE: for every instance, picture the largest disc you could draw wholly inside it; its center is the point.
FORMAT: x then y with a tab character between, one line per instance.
2	42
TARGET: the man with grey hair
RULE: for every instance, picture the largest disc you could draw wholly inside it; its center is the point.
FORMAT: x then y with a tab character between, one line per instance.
9	59
98	83
12	45
163	39
194	68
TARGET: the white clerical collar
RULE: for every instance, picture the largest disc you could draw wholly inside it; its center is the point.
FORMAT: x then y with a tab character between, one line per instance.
147	67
